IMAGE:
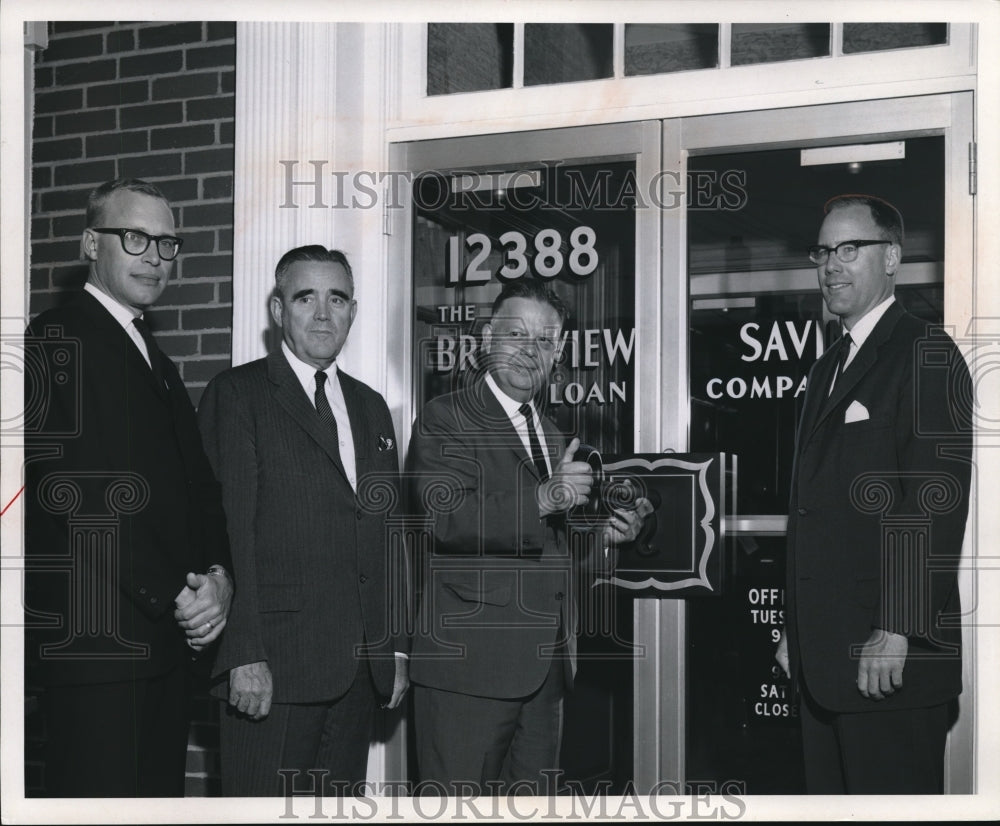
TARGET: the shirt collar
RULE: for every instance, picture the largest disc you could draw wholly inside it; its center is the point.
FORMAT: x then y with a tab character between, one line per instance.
306	373
864	326
122	314
510	406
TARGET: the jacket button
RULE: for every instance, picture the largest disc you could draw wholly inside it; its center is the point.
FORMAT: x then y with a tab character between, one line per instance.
559	594
363	579
358	514
142	591
802	511
153	600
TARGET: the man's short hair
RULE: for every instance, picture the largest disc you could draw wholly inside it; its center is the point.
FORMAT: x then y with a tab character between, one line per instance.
535	290
99	197
312	252
886	217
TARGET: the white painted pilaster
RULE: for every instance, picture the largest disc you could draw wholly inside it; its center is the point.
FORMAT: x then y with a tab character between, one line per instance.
310	143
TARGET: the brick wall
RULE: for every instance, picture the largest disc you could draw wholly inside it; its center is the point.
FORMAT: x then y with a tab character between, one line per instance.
152	101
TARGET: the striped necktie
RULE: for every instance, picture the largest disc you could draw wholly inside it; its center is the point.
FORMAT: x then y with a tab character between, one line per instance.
536	448
323	407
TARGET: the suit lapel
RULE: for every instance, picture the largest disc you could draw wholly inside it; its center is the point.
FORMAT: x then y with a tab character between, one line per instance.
496	420
817	402
289	394
357	412
816	398
864	360
553	441
113	334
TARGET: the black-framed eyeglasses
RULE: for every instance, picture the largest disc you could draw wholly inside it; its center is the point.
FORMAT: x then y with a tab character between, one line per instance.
136	242
846	251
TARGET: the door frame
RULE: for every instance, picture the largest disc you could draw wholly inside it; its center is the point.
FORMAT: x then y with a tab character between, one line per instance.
638	141
660	756
661	149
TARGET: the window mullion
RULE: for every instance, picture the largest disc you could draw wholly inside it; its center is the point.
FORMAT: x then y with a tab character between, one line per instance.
518	79
618	51
836	39
725	44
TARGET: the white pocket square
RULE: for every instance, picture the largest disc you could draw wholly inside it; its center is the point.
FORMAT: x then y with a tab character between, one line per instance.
857	412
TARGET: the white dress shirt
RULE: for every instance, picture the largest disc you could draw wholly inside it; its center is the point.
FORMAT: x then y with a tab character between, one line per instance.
860	332
306	374
864	326
123	315
512	408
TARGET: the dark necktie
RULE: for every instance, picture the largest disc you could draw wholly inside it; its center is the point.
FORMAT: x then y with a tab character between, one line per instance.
323	407
151	349
536	448
845	351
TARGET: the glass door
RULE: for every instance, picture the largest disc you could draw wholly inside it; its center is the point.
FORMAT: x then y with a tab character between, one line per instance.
755	322
693	326
569	208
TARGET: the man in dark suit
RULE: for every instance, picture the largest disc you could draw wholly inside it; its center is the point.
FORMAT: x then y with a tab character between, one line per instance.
879	500
308	464
125	535
493	651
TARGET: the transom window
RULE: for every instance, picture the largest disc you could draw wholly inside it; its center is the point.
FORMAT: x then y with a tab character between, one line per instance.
473	57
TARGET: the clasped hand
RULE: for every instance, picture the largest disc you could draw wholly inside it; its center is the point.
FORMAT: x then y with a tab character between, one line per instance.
570	485
203	607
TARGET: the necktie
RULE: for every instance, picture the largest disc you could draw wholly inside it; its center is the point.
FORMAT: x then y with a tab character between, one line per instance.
323	407
845	351
151	348
536	448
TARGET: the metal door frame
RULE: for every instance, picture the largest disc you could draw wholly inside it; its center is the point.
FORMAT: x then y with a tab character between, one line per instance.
660	752
661	150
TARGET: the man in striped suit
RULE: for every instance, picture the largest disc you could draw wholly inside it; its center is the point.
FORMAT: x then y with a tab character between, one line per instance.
307	460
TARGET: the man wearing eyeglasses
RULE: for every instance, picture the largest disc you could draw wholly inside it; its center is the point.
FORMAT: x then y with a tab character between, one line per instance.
879	498
125	535
493	652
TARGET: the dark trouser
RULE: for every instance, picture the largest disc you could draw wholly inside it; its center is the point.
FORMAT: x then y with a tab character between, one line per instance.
483	745
330	738
124	739
878	752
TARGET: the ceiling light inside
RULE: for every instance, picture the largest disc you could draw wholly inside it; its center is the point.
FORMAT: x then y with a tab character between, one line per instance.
852	153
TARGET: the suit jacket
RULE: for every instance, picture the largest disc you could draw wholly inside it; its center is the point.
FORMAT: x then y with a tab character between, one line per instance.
315	583
121	501
877	515
497	578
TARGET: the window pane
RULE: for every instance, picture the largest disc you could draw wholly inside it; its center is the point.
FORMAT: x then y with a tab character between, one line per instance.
573	229
877	37
564	52
772	42
752	248
469	57
653	49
